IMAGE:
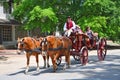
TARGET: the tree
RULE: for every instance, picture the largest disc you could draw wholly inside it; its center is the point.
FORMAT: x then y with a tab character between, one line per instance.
103	16
32	15
114	22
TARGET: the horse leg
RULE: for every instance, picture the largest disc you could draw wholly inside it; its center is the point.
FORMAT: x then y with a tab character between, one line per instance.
56	57
64	67
28	59
37	61
44	58
67	61
54	63
48	65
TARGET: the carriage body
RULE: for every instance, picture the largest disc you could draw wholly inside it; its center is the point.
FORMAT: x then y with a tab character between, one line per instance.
77	43
81	44
79	50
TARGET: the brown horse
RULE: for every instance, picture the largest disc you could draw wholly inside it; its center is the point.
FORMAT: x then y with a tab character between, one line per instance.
56	47
32	47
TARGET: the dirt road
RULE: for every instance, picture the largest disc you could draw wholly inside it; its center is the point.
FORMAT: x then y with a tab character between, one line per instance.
12	68
10	61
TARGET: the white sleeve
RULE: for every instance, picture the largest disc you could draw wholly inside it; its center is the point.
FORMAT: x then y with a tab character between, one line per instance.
65	28
74	26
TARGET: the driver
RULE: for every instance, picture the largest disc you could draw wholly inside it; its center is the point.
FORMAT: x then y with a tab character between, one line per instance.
69	26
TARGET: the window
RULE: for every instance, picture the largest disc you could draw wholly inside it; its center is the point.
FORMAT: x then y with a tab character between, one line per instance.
7	33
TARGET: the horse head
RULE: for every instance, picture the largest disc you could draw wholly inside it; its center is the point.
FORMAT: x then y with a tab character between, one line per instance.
48	43
43	44
27	44
20	44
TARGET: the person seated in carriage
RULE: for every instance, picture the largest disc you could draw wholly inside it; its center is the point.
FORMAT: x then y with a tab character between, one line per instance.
70	27
91	35
89	32
78	30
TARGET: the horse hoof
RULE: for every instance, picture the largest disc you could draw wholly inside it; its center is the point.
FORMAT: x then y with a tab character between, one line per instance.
54	71
44	67
56	68
25	72
64	68
38	70
68	67
48	66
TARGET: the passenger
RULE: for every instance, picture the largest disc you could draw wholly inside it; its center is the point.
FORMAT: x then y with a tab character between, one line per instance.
90	34
78	29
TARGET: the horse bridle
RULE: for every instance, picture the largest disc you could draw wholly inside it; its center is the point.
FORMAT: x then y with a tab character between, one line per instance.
21	43
44	43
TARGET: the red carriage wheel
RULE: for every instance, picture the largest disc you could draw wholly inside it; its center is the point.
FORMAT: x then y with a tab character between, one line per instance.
84	55
102	49
58	62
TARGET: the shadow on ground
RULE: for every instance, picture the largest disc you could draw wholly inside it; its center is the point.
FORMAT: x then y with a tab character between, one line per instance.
113	47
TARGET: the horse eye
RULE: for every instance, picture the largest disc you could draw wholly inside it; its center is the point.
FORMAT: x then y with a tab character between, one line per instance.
22	45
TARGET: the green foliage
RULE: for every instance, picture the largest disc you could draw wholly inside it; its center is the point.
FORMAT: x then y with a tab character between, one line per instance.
41	17
32	15
97	24
103	16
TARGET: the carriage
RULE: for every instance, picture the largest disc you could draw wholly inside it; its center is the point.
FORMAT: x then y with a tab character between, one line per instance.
81	45
76	45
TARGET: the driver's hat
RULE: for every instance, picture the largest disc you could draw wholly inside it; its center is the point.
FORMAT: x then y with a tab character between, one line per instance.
68	17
